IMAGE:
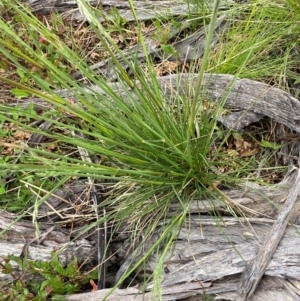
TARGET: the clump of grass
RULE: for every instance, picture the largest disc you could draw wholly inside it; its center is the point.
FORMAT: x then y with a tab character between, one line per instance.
262	43
151	149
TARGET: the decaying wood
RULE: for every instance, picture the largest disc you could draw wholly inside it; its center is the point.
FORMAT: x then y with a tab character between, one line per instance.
245	94
256	268
271	289
145	10
203	256
15	235
206	259
212	259
205	253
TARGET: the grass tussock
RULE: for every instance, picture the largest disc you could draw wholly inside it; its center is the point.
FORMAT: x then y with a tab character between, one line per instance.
148	149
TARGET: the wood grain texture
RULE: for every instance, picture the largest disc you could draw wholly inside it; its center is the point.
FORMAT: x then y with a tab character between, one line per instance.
245	94
204	260
145	10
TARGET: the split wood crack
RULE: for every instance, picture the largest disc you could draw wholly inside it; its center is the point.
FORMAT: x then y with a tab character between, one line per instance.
256	268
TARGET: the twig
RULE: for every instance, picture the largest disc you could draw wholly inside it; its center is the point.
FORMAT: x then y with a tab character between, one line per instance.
38	240
256	269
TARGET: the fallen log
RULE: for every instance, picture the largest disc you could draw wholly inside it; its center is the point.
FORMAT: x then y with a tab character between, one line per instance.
207	259
204	260
144	10
271	289
252	97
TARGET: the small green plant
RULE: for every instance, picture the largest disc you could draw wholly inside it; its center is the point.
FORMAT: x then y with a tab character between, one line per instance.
39	280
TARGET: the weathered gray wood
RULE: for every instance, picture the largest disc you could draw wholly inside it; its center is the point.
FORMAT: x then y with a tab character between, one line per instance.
210	258
204	260
240	93
200	257
134	294
271	289
256	268
145	10
245	94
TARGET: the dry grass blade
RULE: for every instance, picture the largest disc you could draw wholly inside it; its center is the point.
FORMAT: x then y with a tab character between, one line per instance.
101	231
